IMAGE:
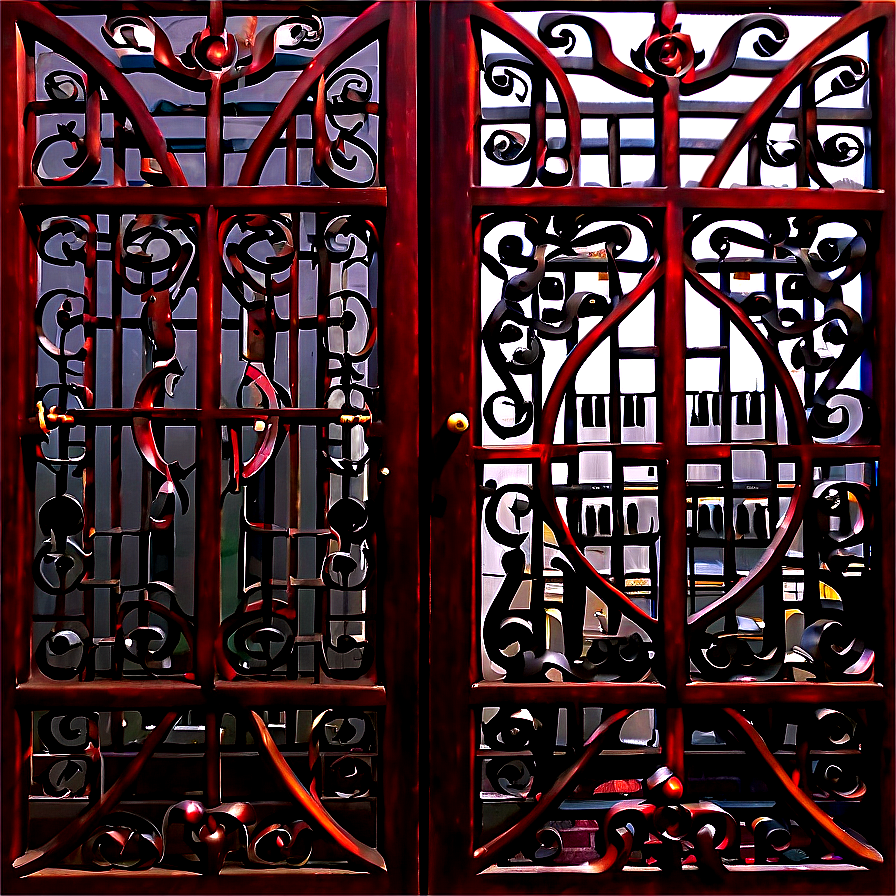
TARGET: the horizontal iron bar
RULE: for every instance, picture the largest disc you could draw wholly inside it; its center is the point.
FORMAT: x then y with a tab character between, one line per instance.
708	7
686	109
187	416
626	450
641	146
650	451
77	200
738	693
584	65
492	693
140	693
744	200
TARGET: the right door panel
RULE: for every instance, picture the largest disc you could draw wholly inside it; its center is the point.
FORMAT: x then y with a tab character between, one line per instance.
662	575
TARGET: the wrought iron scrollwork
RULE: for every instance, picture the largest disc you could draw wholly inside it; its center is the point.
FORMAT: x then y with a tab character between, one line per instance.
537	260
188	835
214	54
654	817
516	115
125	841
822	267
263	254
154	257
344	103
550	240
806	263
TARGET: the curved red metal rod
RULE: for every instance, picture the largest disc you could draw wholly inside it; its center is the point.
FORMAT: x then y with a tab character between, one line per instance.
365	855
782	83
66	840
356	32
822	823
796	420
615	856
567	371
522	41
264	451
61	37
547	801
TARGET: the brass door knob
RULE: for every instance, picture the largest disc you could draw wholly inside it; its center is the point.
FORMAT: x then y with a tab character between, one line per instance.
458	422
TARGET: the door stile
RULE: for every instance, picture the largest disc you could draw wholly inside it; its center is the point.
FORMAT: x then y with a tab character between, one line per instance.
17	518
397	469
883	58
454	523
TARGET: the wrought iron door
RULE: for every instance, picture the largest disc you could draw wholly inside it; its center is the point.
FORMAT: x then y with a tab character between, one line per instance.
661	648
656	651
209	413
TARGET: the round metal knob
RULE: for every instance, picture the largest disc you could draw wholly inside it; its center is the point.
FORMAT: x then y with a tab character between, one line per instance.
458	422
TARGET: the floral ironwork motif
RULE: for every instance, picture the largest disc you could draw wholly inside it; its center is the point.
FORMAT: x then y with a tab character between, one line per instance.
516	132
339	105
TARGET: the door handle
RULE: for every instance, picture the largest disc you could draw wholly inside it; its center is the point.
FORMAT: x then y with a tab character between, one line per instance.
457	423
48	418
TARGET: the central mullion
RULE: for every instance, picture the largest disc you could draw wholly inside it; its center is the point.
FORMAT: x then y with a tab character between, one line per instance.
672	338
207	606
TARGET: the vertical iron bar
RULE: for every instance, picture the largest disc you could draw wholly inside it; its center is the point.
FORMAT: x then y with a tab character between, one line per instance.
614	161
208	470
89	379
207	607
729	564
673	575
214	121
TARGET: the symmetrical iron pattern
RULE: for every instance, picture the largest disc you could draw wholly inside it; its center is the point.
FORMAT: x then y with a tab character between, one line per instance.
193	373
304	565
661	628
579	274
818	135
280	770
679	482
607	802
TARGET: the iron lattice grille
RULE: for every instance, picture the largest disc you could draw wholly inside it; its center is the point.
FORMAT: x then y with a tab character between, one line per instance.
679	330
198	201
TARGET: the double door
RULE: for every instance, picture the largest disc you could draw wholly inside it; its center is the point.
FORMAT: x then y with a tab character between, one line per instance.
465	501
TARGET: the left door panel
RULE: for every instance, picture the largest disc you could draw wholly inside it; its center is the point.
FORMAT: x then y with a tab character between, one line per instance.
209	403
